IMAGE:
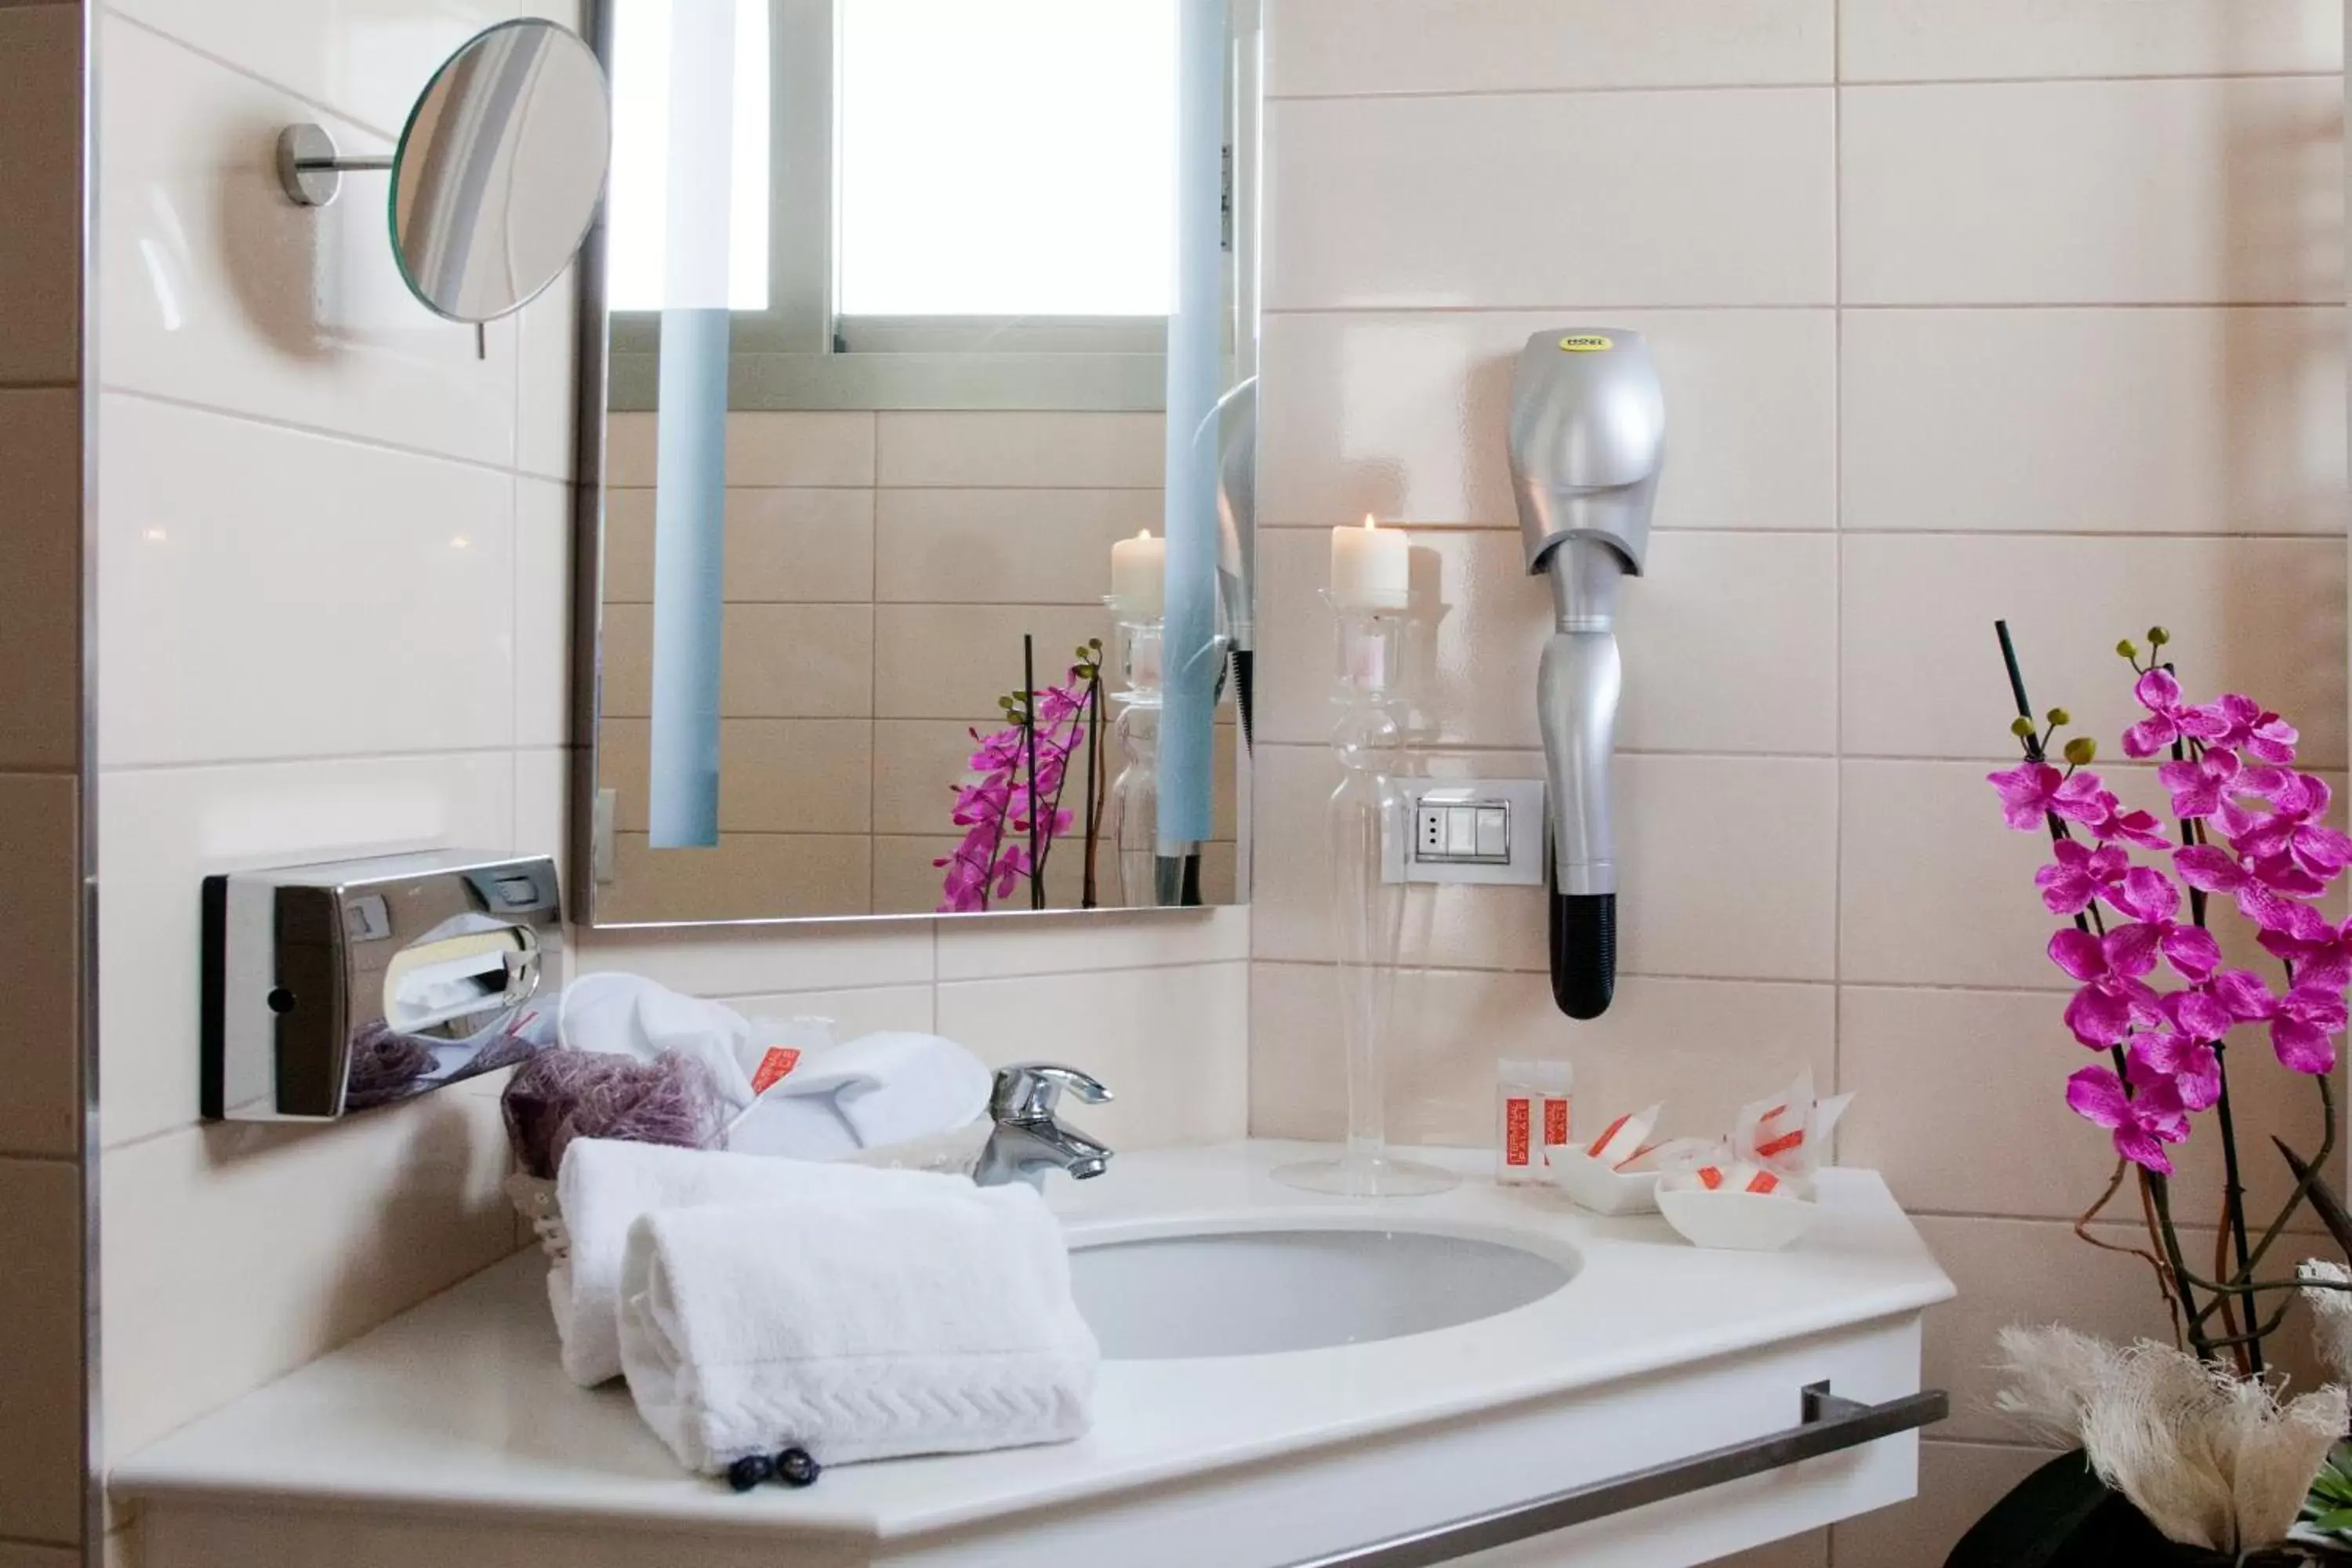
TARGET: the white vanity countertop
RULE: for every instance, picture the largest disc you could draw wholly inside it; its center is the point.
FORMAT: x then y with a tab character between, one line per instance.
460	1405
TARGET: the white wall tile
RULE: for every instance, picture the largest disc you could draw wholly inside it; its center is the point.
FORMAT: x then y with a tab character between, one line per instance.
543	612
233	1253
1385	204
1173	1044
2092	192
546	381
2112	421
1339	47
274	594
1403	414
163	830
1922	672
859	1011
41	594
1029	450
542	807
215	289
1927	40
41	1354
40	190
40	954
751	962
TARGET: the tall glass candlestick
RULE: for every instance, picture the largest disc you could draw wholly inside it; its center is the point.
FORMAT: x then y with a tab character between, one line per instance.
1132	824
1368	914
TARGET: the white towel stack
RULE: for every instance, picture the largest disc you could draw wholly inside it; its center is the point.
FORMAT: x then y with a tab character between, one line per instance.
861	1321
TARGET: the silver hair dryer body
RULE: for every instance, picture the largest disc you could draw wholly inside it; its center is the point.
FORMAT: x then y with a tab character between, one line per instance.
1588	443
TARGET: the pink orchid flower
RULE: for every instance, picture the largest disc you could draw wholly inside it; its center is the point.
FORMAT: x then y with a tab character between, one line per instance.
2201	784
2320	950
2082	876
2031	792
2303	1027
2113	997
2191	1067
2142	1125
2150	896
2210	868
2168	720
2247	727
2116	823
2290	834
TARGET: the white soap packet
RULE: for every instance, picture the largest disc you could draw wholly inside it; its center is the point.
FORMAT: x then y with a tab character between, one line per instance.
1787	1134
1624	1138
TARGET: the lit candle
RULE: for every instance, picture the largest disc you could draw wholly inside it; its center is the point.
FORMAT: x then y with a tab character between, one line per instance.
1371	567
1139	576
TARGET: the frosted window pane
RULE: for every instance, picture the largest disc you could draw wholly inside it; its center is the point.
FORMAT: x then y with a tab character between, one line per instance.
636	196
1007	157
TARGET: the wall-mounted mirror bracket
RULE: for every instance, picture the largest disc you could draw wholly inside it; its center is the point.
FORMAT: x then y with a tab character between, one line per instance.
311	166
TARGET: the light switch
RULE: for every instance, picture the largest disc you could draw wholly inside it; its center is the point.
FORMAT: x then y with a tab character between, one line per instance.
1488	831
1494	832
1460	832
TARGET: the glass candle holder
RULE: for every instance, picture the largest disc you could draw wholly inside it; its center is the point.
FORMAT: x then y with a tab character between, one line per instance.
1132	810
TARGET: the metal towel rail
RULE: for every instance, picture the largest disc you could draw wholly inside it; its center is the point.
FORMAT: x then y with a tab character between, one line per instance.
1829	1424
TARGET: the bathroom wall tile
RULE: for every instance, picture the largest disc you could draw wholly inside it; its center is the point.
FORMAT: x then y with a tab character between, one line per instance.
1172	1043
1961	1108
244	618
907	877
215	289
919	762
2166	192
1728	640
41	594
860	1011
775	775
542	613
2109	421
985	950
41	1356
949	661
1958	1482
547	381
542	806
746	876
233	1253
1383	203
790	450
1004	546
1404	414
1922	673
783	546
40	190
1707	1045
163	830
1031	450
1811	1550
1333	47
1927	40
630	441
752	961
17	1554
40	927
1688	828
776	661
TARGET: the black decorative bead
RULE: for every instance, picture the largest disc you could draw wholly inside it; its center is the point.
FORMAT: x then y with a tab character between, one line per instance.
794	1468
749	1470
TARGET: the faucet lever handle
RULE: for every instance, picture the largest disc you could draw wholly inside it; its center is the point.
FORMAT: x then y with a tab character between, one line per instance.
1030	1090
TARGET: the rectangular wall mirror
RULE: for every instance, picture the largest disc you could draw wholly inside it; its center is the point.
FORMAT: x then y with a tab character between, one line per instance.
918	446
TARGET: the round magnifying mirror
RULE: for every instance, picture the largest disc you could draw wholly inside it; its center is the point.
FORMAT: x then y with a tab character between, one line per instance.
498	170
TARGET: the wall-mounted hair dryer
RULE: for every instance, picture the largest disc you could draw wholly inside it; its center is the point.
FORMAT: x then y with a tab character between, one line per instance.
1588	440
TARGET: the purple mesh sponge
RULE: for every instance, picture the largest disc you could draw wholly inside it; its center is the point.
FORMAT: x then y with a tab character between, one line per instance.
385	1065
559	1095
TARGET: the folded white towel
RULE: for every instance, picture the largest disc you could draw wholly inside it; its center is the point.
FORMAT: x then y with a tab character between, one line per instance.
866	1093
874	1319
603	1185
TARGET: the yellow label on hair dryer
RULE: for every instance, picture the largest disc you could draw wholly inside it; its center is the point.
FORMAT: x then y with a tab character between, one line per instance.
1592	344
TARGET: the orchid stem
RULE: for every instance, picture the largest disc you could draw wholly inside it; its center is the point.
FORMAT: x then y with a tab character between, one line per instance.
2182	1278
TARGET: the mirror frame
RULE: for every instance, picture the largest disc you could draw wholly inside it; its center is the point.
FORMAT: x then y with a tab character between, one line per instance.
584	834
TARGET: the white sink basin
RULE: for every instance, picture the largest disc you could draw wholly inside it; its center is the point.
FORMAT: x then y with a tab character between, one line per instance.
1260	1291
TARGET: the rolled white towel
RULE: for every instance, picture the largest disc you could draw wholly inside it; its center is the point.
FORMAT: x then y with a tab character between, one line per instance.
604	1185
860	1323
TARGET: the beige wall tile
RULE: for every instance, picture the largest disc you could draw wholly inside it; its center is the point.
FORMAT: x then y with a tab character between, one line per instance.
746	876
1386	203
794	449
1056	451
40	190
40	952
1403	414
1962	1106
2184	421
15	1554
1726	870
233	1253
776	661
1333	47
1703	1047
163	830
1907	40
989	950
1004	546
949	661
1811	1550
1171	1043
542	613
860	1011
775	775
1922	672
1958	1481
41	1354
756	962
1729	641
40	597
907	882
2165	192
783	546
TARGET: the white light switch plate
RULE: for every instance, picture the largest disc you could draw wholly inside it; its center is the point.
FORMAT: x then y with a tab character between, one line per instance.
1487	831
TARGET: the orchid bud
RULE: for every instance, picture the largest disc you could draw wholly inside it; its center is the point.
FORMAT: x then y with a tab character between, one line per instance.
2082	751
2158	635
2059	716
2129	649
2021	727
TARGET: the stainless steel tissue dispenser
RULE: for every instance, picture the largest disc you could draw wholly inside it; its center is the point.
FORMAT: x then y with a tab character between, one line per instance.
335	987
1588	442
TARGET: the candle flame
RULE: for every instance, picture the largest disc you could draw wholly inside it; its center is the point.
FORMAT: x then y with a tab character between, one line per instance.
1368	520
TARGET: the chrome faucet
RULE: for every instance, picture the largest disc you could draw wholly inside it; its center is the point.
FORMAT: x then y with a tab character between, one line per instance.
1029	1141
